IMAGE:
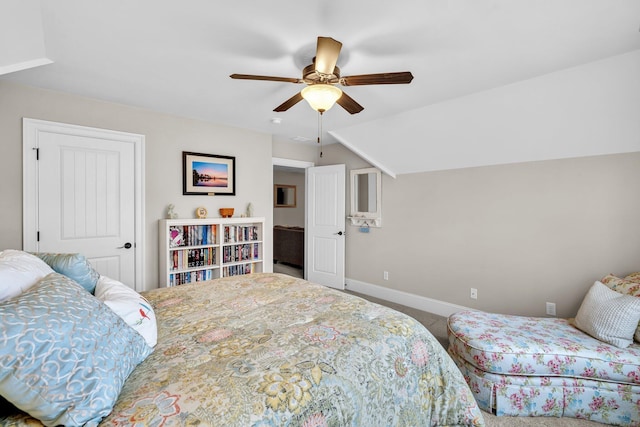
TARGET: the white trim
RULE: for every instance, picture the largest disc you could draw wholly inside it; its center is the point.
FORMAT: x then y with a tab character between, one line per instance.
31	129
279	161
368	218
429	305
12	68
140	197
298	164
29	185
363	155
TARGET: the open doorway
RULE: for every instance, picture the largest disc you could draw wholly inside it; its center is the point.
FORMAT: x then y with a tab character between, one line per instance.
289	216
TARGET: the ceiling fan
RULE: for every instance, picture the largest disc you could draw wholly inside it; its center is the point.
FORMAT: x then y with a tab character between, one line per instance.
322	76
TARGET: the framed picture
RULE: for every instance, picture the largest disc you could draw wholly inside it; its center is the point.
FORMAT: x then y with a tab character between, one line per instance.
284	196
208	174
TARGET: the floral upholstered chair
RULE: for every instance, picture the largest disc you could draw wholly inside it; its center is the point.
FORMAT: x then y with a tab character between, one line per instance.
587	367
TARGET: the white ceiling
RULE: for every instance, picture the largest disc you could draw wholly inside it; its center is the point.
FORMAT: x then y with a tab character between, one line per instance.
176	57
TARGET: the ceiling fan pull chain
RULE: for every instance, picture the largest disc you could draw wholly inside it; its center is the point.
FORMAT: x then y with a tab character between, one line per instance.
320	131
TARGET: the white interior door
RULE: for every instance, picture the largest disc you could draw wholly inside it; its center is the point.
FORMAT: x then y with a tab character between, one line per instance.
324	231
86	198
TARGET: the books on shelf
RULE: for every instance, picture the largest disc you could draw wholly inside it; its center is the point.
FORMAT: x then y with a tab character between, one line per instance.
234	270
240	233
192	235
244	252
194	250
176	279
190	258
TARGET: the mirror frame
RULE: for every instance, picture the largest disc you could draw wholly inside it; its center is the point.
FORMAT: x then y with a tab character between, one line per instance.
275	196
371	219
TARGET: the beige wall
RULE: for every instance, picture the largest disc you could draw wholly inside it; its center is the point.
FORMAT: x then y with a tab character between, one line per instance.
306	152
522	234
290	216
166	138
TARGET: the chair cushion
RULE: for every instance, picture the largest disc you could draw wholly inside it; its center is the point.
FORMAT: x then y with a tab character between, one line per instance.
608	315
623	286
533	346
633	277
630	285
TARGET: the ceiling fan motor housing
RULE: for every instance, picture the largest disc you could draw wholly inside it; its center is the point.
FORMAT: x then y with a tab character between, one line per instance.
311	76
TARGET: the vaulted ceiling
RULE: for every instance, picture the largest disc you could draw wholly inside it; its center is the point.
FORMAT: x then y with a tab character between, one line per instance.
176	57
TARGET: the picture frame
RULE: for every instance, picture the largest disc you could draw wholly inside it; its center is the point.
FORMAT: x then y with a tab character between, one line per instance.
208	174
284	196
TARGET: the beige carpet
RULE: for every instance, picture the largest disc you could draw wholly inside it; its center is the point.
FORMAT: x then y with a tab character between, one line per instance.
437	325
493	421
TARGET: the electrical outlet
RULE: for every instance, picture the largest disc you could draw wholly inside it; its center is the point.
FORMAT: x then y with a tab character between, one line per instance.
551	308
385	275
473	294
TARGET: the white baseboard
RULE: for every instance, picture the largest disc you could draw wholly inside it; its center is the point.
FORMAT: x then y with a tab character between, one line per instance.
429	305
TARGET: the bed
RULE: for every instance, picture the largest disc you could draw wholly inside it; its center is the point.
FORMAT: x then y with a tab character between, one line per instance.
272	350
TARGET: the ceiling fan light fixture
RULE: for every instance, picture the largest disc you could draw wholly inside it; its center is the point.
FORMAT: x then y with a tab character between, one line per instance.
321	96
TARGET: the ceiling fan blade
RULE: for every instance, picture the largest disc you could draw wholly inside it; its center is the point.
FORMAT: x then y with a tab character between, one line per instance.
327	53
267	78
403	77
289	102
349	104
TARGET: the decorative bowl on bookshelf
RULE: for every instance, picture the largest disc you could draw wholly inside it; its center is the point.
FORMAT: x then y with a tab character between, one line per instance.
226	212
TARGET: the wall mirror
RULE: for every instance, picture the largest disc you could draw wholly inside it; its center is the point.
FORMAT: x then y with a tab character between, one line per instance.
366	197
284	196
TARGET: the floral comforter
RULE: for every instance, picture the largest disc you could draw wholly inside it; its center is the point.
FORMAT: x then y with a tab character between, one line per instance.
271	350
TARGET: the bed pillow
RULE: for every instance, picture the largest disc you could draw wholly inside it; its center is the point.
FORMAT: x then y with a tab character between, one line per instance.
19	271
608	315
64	355
132	307
625	287
74	266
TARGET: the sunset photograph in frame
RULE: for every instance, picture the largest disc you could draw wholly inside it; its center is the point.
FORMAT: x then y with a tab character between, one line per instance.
205	174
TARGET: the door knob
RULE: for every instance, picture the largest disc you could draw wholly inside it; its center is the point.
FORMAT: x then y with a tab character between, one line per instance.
126	246
339	233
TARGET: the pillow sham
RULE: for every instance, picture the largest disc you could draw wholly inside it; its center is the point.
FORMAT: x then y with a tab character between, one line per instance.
625	287
64	355
19	271
132	307
608	315
74	266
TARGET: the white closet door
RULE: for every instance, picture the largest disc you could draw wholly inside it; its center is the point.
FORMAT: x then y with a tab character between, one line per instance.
86	199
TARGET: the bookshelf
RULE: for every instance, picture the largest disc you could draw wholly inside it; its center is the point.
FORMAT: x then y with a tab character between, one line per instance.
194	250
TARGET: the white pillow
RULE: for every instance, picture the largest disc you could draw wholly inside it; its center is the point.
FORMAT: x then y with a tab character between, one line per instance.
132	307
608	315
19	271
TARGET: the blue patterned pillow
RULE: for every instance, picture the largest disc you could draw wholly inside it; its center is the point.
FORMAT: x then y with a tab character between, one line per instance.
74	266
64	355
